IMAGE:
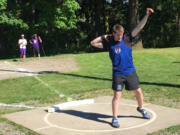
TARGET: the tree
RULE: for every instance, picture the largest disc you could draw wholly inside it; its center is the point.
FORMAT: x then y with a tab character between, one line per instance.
9	23
134	20
53	20
98	17
162	29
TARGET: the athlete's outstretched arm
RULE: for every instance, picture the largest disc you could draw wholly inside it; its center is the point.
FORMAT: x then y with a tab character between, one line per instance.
141	24
97	42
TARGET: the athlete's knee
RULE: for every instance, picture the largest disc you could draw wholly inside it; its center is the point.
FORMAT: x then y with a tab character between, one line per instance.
117	95
138	91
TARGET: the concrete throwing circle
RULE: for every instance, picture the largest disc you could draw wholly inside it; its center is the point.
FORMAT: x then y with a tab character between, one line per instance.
97	118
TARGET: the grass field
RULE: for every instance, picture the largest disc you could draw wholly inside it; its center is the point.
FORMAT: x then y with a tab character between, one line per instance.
158	70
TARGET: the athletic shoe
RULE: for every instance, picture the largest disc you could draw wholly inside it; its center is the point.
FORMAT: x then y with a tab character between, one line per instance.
115	122
144	113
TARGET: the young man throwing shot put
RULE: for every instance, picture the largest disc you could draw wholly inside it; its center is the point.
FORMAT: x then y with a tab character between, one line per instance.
119	46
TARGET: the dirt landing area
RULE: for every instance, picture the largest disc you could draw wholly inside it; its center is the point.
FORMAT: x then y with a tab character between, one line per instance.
16	68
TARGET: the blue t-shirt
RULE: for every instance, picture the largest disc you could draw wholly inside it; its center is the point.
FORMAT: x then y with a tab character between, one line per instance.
120	53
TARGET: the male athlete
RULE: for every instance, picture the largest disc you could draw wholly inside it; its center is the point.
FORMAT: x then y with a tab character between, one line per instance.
124	73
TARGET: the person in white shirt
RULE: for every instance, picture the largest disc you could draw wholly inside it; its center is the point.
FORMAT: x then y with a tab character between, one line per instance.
22	45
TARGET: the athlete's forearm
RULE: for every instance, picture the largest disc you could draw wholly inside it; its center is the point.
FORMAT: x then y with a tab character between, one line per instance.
97	42
98	45
140	26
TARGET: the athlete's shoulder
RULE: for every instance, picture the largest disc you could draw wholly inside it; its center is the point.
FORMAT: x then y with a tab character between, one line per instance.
127	36
128	39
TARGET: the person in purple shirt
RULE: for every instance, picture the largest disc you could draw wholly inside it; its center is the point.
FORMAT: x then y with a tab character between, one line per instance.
35	41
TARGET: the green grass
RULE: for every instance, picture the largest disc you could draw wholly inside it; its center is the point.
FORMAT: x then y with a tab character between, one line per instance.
15	127
159	73
158	70
174	130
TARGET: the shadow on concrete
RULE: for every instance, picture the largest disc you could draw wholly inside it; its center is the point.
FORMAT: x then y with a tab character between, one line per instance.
95	116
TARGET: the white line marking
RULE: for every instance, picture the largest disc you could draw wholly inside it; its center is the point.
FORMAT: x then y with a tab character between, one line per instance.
154	116
22	69
47	85
26	72
38	129
6	62
18	106
29	73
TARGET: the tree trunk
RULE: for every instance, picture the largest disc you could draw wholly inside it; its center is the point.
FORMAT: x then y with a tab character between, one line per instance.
59	1
177	22
133	21
106	23
98	14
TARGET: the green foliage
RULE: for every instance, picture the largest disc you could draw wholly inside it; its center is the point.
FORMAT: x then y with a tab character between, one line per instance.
3	4
11	24
50	15
162	29
96	19
65	17
49	19
70	25
10	19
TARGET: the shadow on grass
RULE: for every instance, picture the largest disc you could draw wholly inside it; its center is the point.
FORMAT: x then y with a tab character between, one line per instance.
15	60
176	62
90	77
95	116
161	84
107	79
